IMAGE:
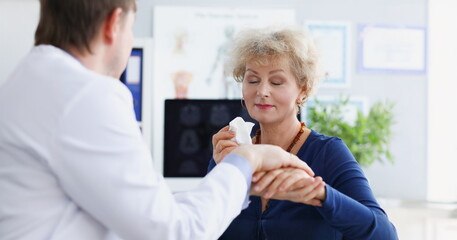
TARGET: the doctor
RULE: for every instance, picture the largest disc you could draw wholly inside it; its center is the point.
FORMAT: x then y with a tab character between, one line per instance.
72	161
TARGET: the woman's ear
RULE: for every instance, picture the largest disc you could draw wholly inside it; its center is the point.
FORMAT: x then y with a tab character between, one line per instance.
303	93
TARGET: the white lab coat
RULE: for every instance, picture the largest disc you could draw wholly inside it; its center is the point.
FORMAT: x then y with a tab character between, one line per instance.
73	164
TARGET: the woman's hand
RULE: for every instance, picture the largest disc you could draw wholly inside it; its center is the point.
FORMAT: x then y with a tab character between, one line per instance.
291	184
222	145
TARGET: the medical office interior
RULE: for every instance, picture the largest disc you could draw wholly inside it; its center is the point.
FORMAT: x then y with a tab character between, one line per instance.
398	51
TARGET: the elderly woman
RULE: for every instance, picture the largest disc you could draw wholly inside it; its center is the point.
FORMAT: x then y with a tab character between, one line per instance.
279	70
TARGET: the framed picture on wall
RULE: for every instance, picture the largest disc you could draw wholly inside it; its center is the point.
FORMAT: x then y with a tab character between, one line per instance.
191	46
333	41
392	49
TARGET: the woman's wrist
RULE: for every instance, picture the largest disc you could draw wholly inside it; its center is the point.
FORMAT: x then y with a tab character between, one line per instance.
322	195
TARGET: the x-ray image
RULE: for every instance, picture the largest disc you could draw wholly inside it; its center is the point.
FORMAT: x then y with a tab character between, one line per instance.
189	128
190	115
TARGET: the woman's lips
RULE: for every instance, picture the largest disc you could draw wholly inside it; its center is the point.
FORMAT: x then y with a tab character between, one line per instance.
263	106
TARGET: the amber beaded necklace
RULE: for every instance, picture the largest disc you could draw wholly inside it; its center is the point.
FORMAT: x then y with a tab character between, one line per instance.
292	144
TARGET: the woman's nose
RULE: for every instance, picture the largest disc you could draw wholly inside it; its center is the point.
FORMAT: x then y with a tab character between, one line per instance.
263	90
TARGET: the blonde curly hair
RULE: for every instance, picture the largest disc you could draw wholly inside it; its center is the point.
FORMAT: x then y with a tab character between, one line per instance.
269	45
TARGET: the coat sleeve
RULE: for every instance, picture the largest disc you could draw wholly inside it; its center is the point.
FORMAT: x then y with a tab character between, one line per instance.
103	165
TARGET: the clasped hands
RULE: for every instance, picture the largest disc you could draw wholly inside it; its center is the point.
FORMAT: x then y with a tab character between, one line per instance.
293	184
277	173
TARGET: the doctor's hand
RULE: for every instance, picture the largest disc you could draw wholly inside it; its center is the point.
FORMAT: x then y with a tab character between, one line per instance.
289	184
222	145
264	158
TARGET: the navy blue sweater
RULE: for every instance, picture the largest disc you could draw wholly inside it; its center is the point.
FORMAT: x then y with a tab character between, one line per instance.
350	210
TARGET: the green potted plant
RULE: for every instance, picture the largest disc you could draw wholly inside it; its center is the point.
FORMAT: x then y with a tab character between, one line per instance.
367	137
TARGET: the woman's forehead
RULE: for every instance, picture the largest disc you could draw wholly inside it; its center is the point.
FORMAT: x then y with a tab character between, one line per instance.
263	61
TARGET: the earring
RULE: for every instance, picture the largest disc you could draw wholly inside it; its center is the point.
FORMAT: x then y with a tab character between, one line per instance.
299	103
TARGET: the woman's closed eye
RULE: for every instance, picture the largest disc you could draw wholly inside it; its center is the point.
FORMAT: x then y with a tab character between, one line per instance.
276	81
253	80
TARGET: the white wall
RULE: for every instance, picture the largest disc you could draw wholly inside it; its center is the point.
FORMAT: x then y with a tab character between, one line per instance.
18	21
442	101
407	178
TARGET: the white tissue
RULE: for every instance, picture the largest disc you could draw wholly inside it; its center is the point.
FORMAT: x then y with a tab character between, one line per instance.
242	130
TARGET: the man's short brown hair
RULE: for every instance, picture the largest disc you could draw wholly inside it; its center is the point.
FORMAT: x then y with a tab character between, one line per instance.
74	23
